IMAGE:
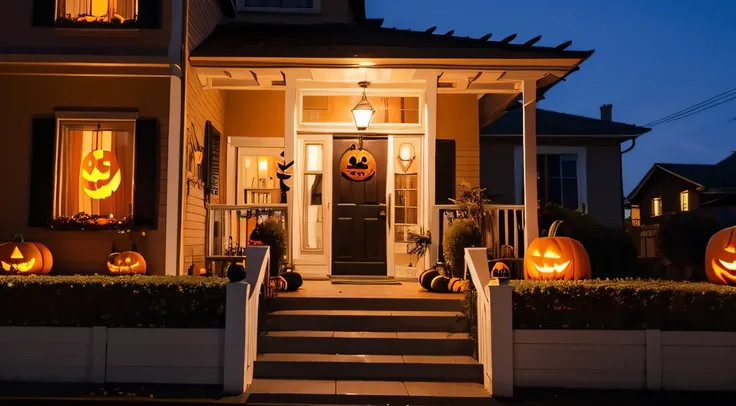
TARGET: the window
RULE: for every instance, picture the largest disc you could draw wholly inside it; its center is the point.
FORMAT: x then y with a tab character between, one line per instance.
656	206
279	5
313	182
684	201
97	12
635	216
338	109
557	176
257	177
94	173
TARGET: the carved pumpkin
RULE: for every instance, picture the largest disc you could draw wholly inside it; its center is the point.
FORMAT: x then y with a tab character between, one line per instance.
500	270
720	257
357	165
100	171
25	258
126	263
556	258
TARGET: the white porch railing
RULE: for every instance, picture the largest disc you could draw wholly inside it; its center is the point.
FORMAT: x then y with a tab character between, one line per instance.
495	328
241	322
504	226
229	226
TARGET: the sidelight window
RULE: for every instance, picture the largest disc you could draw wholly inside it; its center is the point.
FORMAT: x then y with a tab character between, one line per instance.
314	186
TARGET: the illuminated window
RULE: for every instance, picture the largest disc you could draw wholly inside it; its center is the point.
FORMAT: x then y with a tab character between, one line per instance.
94	171
635	216
338	109
656	206
684	201
97	11
312	227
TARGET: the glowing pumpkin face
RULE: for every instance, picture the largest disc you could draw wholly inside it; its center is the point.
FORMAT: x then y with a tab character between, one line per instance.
126	263
25	258
101	174
720	257
357	165
556	258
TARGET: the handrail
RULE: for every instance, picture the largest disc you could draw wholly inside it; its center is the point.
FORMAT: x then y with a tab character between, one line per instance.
476	263
257	267
247	206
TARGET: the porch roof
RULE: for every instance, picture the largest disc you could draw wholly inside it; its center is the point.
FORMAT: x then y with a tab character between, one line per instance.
339	40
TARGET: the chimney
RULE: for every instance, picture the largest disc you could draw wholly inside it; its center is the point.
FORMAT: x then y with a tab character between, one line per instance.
607	112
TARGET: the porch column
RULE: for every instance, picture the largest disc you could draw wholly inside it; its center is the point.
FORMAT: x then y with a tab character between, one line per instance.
290	152
529	147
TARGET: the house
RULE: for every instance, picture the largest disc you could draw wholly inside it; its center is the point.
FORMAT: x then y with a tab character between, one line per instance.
670	188
578	161
93	110
156	116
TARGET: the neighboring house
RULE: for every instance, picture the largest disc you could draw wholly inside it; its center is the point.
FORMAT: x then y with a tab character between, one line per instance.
145	113
578	161
672	188
79	76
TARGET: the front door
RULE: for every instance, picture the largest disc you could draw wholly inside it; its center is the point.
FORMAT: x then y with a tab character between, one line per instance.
359	195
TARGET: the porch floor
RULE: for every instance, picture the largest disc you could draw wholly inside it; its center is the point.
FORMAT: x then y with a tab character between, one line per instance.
409	289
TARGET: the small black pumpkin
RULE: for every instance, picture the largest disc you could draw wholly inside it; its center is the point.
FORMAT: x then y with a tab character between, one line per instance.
440	284
293	280
236	272
426	277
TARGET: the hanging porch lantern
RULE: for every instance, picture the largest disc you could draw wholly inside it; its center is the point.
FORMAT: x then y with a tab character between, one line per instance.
363	111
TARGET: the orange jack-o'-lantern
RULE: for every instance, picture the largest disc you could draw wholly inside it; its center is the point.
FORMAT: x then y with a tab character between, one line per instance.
720	257
556	258
25	258
357	165
126	263
101	174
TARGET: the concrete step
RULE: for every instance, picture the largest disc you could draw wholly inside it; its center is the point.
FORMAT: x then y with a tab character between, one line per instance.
366	320
341	392
430	368
366	342
450	303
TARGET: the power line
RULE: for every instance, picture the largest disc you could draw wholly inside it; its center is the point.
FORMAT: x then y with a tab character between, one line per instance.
704	108
704	128
702	105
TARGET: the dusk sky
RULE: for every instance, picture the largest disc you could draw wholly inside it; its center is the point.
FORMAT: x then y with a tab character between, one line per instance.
652	58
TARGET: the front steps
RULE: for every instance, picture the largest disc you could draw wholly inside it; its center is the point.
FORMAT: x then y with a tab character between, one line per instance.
366	351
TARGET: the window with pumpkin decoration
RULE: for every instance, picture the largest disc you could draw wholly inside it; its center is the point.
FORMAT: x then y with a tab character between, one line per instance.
94	173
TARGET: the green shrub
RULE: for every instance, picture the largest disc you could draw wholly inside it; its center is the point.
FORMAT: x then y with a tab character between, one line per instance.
626	304
112	301
683	238
461	234
611	251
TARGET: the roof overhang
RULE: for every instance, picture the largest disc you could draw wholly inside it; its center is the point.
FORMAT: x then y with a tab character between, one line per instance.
649	174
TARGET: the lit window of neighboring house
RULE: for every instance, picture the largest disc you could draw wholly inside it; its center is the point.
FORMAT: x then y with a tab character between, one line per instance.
656	206
684	201
635	216
97	11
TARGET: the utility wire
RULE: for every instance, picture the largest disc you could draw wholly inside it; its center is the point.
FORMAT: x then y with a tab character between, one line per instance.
704	128
702	106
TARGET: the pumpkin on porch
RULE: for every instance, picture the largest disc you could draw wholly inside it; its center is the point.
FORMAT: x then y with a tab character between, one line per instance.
458	285
720	257
440	284
126	263
556	258
25	258
425	278
235	272
293	280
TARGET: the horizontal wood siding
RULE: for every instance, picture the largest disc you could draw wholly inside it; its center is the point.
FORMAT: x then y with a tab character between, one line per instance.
457	119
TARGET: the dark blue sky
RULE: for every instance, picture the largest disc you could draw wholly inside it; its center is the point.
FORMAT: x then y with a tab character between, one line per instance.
653	58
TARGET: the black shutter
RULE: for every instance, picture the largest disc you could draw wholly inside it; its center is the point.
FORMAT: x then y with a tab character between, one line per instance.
147	175
43	150
149	13
44	13
444	176
211	164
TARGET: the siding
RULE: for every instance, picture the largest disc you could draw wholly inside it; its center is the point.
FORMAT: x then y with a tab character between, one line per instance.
202	105
497	171
605	195
255	113
76	251
457	119
668	187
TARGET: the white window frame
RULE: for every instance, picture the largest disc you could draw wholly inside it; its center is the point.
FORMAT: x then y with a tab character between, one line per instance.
582	171
654	205
316	8
685	200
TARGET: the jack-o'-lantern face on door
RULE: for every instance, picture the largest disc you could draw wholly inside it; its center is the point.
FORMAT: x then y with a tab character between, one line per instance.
100	172
357	165
720	257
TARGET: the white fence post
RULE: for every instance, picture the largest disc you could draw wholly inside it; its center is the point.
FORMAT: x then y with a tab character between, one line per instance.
502	340
234	376
99	354
653	356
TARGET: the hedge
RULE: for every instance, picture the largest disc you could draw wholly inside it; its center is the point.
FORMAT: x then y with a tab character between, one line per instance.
117	301
624	304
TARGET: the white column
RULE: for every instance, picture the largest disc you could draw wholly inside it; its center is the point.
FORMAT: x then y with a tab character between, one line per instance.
430	168
290	115
529	146
174	211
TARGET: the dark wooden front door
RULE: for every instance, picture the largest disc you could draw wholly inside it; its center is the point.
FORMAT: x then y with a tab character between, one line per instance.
359	217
